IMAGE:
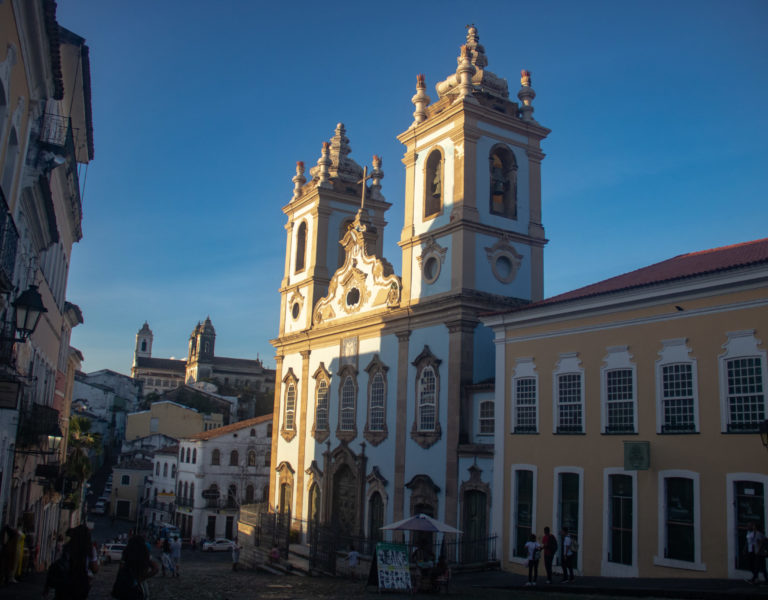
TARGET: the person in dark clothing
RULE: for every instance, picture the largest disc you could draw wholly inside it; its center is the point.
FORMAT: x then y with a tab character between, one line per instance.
70	575
549	542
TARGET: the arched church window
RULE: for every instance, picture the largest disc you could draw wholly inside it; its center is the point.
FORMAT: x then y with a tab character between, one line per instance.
347	416
233	458
290	406
377	403
288	428
433	184
426	428
375	517
157	469
192	493
143	345
321	415
376	424
194	456
301	246
503	180
249	494
189	454
215	457
165	470
232	496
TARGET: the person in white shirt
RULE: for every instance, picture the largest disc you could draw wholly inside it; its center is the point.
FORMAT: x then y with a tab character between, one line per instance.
534	552
755	548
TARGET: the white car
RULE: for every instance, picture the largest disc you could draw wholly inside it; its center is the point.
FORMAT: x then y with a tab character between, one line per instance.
110	552
217	545
99	508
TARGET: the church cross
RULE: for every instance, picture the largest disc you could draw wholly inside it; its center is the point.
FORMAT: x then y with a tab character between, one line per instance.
365	178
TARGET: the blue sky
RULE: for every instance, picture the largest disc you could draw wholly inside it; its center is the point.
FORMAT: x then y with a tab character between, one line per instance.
659	142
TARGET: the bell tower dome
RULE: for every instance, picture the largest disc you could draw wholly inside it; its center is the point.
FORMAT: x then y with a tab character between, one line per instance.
473	187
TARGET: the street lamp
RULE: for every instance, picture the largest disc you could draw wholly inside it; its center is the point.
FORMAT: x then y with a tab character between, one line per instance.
54	441
764	433
29	308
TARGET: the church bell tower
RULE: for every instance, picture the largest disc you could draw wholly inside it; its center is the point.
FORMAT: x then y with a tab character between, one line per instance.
144	340
473	187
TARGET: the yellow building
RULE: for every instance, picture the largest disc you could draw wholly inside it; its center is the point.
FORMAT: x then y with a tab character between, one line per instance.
628	411
171	419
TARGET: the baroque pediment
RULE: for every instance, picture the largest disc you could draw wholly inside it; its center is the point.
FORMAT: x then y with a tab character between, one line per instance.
364	283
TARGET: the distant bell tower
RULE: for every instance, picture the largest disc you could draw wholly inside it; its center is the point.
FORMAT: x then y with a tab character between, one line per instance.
202	342
143	344
319	215
473	187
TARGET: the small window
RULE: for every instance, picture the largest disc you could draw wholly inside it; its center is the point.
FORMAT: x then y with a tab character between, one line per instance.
677	398
194	456
157	469
125	480
233	458
486	418
173	471
620	401
301	246
253	433
165	470
215	457
525	405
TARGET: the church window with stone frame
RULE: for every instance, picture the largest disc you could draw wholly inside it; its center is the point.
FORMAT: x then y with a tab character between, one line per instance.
376	424
347	428
426	428
233	458
320	429
301	247
288	430
434	187
503	182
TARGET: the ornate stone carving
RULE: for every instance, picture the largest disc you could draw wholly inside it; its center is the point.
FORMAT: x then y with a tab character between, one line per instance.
431	259
504	260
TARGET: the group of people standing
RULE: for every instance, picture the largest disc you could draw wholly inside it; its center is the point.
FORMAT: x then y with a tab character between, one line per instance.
549	548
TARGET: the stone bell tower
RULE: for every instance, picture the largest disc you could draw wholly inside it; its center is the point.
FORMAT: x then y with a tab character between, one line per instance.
473	187
319	214
144	340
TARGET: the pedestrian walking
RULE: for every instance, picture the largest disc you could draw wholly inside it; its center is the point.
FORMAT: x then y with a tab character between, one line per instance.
235	554
70	575
757	549
549	544
136	567
534	553
166	562
567	555
176	554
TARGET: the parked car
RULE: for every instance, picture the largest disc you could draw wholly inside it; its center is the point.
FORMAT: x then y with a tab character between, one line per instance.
99	508
110	552
217	545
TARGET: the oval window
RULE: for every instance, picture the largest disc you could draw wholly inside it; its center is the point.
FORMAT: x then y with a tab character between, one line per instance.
353	297
431	269
295	309
503	267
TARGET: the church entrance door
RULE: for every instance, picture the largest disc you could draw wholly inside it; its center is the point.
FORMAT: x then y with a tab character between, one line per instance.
344	500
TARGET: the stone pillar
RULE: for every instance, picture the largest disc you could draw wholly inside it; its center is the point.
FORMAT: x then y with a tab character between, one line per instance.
499	439
275	428
459	374
401	425
302	425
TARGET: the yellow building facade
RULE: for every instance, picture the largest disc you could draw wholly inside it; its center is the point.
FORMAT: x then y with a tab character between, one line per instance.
628	411
171	419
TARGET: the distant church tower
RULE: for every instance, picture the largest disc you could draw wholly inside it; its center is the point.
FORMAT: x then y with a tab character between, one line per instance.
201	351
143	344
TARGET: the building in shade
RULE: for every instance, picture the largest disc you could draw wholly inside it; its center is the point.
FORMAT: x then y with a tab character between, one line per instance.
160	375
628	411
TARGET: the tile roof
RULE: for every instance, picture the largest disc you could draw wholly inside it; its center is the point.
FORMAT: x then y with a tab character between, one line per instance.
678	267
170	364
173	449
212	433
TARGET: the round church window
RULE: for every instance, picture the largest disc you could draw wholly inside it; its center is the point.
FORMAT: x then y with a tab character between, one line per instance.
431	269
503	267
353	297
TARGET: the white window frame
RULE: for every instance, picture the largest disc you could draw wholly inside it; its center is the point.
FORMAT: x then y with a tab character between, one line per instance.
617	358
740	344
608	568
568	363
525	368
513	512
660	559
479	400
730	479
556	508
675	351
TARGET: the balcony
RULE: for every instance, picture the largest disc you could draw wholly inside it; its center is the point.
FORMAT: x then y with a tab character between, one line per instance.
36	421
57	136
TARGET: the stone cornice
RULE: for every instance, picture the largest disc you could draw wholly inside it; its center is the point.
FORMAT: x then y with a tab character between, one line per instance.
473	226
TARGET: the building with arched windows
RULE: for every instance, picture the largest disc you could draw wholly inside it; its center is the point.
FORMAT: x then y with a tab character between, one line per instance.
384	400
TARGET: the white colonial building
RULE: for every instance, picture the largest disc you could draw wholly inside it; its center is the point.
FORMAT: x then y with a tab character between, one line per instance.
160	492
218	470
384	398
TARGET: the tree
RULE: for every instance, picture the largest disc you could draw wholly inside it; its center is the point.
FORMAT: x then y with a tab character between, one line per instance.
81	442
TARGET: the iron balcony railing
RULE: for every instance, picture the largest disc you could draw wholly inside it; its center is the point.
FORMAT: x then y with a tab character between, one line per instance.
57	134
9	242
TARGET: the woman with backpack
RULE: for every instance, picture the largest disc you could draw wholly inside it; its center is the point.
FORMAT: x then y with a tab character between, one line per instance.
70	575
549	543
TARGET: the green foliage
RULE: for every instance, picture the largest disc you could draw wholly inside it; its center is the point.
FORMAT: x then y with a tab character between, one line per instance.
81	442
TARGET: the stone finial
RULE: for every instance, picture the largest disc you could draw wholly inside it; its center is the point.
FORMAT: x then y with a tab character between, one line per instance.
464	73
420	100
526	95
324	163
376	176
298	180
476	49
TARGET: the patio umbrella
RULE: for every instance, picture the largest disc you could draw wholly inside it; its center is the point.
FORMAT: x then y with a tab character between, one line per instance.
421	522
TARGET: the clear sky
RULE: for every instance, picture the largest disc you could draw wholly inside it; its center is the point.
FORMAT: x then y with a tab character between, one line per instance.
659	142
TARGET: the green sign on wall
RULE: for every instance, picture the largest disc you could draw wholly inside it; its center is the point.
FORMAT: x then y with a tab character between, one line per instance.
637	456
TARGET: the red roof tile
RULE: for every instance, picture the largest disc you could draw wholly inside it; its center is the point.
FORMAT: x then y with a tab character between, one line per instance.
212	433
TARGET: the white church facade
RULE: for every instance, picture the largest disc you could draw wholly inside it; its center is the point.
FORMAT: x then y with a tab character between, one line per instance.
384	399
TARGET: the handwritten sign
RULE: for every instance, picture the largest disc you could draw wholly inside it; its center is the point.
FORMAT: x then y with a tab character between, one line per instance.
392	565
